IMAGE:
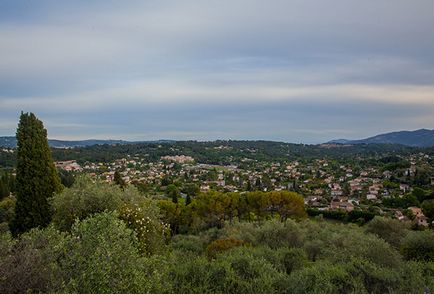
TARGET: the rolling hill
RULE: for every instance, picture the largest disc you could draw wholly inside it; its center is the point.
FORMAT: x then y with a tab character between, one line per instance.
418	138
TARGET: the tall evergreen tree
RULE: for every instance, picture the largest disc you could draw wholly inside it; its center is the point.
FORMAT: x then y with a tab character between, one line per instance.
37	178
188	200
118	180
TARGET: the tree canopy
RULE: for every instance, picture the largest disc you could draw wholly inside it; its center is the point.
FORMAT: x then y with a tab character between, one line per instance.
36	179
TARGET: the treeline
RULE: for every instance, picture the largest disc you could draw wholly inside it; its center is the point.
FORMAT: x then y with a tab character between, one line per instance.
356	216
8	160
213	209
205	152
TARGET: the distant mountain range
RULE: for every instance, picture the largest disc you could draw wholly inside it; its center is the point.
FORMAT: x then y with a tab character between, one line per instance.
11	142
418	138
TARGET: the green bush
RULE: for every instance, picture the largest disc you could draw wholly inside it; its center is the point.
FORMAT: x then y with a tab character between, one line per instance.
31	263
320	278
390	230
250	274
83	199
144	220
418	245
276	234
7	213
188	244
103	257
222	245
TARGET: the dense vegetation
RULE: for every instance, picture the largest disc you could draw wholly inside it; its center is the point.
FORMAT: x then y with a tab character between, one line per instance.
234	151
107	239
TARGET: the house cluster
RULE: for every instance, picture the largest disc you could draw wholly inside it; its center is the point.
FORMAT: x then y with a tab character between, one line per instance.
69	165
419	218
178	158
325	184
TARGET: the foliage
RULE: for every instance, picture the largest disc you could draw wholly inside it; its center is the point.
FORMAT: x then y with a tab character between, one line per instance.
293	259
66	178
391	230
36	179
173	193
428	208
235	272
419	246
32	263
118	180
144	220
319	278
83	199
7	210
7	185
189	244
191	189
404	202
222	245
103	257
275	234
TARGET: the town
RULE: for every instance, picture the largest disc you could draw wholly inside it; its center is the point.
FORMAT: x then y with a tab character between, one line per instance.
389	185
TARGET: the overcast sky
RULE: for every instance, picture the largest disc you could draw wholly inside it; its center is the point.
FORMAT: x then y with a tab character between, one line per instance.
295	71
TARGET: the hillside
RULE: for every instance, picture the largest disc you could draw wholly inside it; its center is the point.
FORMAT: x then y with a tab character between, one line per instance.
11	142
418	138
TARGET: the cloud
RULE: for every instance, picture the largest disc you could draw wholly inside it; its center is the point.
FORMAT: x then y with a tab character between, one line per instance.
328	65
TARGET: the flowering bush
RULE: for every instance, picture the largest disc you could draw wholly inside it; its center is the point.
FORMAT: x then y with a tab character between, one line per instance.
144	219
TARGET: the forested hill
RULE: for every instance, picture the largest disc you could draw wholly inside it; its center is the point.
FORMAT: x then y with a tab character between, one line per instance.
11	142
418	138
220	152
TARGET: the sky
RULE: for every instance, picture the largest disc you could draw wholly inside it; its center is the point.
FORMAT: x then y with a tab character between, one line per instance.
298	71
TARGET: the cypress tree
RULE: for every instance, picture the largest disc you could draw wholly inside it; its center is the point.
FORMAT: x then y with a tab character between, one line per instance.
37	178
187	200
117	179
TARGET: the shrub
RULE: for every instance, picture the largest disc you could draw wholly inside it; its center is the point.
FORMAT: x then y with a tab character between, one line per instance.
276	234
144	220
31	265
102	257
222	245
319	278
83	199
7	213
188	244
249	273
418	245
390	230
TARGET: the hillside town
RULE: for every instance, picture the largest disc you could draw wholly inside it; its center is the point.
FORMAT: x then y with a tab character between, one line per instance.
325	184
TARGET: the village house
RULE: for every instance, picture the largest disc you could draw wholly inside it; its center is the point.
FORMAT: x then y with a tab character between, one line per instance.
416	211
341	203
421	220
70	165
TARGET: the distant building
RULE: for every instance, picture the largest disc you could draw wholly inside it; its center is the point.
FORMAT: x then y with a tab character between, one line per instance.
178	158
404	188
341	203
421	220
70	165
416	211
